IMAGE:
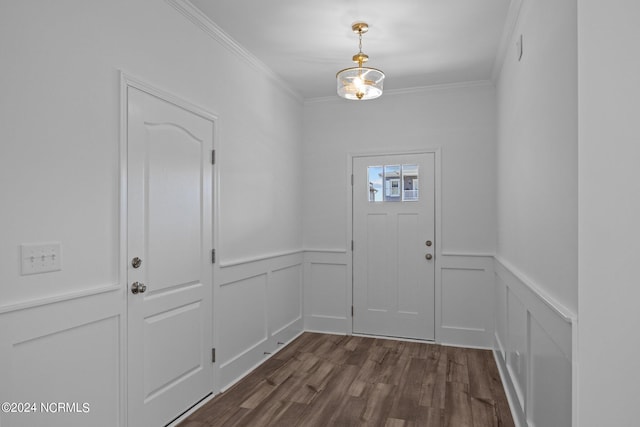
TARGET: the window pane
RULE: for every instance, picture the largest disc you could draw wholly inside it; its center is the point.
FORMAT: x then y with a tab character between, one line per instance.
392	183
410	183
374	174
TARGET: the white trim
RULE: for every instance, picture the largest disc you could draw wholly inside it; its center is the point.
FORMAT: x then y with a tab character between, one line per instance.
244	278
463	328
326	316
315	331
410	90
468	254
246	351
438	87
574	374
122	247
58	298
392	338
326	251
509	390
131	81
192	410
240	261
566	314
287	326
261	362
196	16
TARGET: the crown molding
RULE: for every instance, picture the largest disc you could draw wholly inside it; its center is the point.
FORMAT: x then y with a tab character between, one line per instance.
441	86
196	16
410	90
513	16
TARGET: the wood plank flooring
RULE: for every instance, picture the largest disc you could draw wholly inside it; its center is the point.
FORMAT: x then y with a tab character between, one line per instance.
329	380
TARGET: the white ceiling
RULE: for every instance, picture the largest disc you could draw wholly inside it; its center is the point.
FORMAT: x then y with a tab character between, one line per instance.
415	42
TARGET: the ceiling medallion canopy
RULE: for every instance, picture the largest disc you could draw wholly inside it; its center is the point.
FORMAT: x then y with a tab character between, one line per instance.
360	83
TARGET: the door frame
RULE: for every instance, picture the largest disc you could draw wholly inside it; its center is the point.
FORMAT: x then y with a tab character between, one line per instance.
437	152
127	81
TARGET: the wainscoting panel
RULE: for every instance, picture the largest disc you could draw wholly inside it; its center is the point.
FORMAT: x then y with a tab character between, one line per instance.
517	351
534	350
465	314
243	317
285	298
550	402
257	310
328	293
70	352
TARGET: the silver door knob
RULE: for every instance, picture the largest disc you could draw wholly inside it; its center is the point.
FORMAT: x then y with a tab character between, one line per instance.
138	288
428	256
136	262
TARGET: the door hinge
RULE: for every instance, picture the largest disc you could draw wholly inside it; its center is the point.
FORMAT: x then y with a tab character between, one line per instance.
213	256
213	355
352	180
213	157
352	245
351	311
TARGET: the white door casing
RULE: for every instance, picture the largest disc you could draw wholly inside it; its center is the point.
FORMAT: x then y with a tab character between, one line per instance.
169	227
393	281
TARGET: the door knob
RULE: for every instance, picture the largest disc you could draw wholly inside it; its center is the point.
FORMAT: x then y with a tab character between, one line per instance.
138	288
136	262
428	256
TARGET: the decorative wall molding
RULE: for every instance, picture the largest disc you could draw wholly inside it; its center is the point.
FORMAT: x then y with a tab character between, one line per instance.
534	346
464	307
195	15
59	298
326	251
560	309
41	344
468	254
327	291
257	310
249	260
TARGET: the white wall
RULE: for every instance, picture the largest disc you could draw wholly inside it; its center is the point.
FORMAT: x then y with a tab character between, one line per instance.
536	272
59	181
460	120
537	150
609	93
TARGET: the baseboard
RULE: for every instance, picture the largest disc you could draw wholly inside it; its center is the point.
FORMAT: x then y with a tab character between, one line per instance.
254	367
518	416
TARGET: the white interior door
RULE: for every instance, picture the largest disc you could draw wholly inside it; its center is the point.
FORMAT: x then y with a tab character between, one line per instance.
394	245
169	215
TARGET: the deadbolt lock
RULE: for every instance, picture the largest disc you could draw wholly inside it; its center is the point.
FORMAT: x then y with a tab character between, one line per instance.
428	243
136	262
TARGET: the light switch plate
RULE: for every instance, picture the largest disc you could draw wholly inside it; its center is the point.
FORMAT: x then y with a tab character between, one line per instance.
40	257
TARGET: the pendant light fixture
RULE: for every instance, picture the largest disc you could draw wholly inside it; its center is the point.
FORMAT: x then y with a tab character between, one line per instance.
360	83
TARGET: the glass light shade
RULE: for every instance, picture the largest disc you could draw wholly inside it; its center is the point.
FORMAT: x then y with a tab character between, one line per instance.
360	83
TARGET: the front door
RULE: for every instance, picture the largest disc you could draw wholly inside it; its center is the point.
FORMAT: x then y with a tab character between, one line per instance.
394	245
169	241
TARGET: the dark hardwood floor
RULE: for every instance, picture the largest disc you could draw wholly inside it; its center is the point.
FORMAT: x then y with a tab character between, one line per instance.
329	380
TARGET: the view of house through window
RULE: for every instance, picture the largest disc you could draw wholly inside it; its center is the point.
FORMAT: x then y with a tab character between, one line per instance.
393	183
